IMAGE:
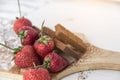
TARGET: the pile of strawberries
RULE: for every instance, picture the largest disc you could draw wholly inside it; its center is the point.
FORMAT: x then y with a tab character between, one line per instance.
36	53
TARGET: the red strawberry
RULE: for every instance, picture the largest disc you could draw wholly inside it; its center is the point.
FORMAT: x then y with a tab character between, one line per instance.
20	22
26	57
28	35
36	74
54	62
44	45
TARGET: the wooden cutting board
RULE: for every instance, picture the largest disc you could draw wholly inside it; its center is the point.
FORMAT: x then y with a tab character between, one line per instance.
94	58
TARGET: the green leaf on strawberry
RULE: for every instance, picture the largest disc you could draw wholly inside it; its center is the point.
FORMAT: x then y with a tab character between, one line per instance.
22	34
44	39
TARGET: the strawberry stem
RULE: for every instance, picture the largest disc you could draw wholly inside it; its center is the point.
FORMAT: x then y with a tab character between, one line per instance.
37	66
7	46
44	38
14	49
19	8
34	65
42	28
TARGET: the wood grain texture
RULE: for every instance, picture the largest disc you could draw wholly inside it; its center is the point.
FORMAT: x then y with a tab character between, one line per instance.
10	75
94	59
69	38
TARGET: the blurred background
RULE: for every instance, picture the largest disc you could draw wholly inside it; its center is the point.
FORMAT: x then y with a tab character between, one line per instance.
98	20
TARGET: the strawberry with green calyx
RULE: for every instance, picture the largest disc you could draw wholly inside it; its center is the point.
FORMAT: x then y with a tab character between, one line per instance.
21	21
36	74
44	44
25	56
55	63
28	35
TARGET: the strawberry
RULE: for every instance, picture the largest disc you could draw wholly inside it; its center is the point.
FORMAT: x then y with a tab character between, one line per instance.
26	57
28	35
36	74
54	63
44	45
20	22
